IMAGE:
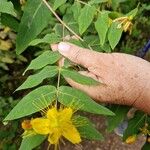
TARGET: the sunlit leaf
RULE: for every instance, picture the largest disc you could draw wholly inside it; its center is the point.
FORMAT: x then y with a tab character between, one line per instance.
75	98
114	34
76	8
32	141
132	13
33	102
7	7
48	38
46	58
36	79
86	16
35	18
102	26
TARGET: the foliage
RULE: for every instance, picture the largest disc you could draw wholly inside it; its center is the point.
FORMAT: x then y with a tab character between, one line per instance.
101	25
120	112
9	138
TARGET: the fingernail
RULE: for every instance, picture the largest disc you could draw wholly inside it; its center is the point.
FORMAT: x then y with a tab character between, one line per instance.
63	47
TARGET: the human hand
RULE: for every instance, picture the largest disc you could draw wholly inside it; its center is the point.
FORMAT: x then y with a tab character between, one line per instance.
125	77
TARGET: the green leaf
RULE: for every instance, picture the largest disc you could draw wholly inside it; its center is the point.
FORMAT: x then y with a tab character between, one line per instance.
134	124
58	3
59	29
33	102
106	48
30	142
70	21
49	39
115	4
79	100
87	129
114	35
146	146
92	40
35	18
46	58
102	26
77	77
86	16
7	7
76	8
36	79
146	7
10	21
132	13
98	1
120	111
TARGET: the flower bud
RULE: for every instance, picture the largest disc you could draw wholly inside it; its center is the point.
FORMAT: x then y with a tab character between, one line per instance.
26	125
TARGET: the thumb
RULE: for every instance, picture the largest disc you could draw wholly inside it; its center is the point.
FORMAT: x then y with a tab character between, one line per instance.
78	55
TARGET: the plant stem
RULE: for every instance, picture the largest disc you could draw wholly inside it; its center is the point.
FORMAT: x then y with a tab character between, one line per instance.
84	3
63	23
58	83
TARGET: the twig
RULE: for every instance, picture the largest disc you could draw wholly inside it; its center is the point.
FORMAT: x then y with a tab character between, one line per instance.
84	3
63	23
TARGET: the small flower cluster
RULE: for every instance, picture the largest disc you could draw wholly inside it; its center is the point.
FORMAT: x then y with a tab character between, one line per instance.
124	23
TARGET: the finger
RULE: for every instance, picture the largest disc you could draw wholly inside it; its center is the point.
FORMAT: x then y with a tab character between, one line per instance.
81	56
54	47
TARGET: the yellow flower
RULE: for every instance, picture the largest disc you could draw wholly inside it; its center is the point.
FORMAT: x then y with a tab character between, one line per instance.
57	123
131	139
124	23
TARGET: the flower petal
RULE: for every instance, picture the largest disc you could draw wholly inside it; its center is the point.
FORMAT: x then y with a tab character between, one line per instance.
66	114
52	114
71	134
41	126
54	137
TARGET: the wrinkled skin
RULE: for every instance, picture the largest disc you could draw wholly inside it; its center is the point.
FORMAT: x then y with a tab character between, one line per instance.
125	78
